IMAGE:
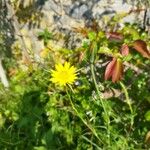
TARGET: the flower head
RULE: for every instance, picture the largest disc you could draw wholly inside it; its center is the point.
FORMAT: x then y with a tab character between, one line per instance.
64	74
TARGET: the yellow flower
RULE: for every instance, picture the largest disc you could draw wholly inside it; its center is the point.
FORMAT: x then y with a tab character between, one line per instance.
64	74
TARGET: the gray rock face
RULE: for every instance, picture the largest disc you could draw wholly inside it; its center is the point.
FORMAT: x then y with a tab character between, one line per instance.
65	15
82	10
67	10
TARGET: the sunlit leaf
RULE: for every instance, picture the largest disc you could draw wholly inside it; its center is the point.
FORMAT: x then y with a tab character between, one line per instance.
147	138
141	47
117	71
92	35
147	116
109	69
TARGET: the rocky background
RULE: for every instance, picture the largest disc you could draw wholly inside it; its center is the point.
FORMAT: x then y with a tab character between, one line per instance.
64	15
21	21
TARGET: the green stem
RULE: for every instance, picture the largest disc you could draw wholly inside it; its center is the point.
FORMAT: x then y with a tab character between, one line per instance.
78	114
93	53
127	97
94	79
96	86
97	147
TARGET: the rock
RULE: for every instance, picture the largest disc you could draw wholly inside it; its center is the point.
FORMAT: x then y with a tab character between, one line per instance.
69	23
3	76
51	6
65	15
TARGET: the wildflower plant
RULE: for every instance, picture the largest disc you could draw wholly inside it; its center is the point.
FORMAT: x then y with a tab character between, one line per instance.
35	114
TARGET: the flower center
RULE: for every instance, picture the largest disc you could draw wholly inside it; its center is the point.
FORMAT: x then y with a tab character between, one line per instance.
64	75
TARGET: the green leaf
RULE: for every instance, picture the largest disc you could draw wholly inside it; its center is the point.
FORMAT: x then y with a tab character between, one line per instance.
127	58
40	148
147	115
92	36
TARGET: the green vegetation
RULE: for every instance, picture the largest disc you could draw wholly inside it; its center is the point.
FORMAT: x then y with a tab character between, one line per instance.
37	114
104	105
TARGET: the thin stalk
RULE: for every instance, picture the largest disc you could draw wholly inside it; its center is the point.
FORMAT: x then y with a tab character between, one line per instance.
127	97
85	138
78	114
93	53
94	80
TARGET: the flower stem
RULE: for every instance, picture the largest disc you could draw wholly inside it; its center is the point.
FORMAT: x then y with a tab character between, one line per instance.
78	114
127	96
93	53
